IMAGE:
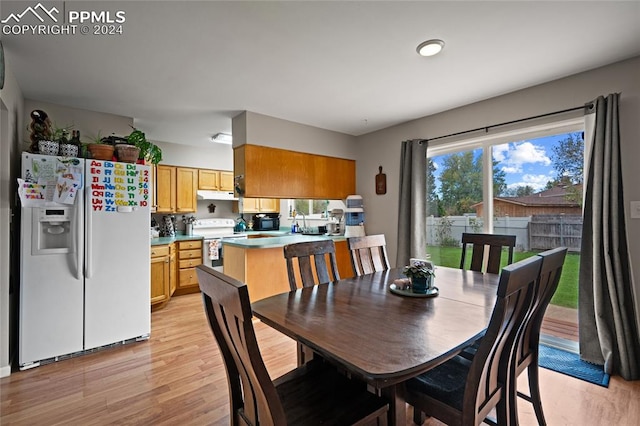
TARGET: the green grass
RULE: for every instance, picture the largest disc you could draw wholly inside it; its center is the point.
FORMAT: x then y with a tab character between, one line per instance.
567	293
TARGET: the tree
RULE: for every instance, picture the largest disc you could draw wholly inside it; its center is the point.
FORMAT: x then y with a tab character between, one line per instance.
433	201
518	191
461	182
568	159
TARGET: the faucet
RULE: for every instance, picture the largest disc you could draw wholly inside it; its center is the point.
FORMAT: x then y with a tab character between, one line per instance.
304	222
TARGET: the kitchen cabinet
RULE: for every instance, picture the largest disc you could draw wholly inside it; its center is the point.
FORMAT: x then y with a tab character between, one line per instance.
209	179
161	274
176	189
258	205
278	173
154	191
226	181
189	255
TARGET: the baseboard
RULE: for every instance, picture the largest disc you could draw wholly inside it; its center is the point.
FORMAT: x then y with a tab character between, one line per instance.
5	371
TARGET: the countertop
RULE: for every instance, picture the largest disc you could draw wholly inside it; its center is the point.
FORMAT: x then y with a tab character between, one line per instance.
179	237
273	239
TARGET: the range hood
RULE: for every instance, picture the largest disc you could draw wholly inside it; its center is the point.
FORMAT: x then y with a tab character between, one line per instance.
215	195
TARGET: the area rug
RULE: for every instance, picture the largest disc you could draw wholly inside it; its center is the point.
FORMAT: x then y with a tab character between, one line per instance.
570	364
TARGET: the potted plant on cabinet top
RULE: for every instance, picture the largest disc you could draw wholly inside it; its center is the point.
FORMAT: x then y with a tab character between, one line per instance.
99	148
148	150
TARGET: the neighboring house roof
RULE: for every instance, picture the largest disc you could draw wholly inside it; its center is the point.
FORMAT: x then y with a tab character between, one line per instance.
556	196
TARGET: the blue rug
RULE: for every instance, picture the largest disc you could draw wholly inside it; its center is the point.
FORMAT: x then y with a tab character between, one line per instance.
570	364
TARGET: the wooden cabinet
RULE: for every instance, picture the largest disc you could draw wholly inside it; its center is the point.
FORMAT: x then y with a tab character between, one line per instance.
226	181
258	205
278	173
166	189
154	191
215	180
161	274
189	255
209	179
176	189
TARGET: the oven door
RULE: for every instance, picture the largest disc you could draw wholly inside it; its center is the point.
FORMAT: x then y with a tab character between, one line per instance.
212	253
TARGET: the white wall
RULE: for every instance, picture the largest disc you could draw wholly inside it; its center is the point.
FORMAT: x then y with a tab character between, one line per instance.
257	129
217	157
11	133
383	147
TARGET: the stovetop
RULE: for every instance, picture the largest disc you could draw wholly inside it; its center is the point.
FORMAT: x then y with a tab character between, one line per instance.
210	228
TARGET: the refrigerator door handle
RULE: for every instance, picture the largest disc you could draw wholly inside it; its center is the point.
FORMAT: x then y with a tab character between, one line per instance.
89	237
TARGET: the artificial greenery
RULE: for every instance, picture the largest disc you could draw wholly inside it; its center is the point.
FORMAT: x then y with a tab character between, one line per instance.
148	150
418	270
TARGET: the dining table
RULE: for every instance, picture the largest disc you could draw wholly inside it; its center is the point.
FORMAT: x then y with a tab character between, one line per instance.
380	336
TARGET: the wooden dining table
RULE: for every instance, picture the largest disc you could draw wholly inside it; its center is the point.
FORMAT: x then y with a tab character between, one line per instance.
381	337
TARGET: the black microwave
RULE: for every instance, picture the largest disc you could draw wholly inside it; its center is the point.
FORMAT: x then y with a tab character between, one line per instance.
266	222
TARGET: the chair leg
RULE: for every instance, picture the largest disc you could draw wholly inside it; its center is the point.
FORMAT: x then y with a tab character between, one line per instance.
418	416
534	391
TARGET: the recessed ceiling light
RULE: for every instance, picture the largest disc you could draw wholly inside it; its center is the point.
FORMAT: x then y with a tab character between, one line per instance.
225	138
430	47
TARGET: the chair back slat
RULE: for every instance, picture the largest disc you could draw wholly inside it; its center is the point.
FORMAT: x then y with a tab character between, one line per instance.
368	254
529	338
494	242
487	376
254	399
312	263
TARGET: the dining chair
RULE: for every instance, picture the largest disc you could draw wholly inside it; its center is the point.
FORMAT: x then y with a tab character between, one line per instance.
527	344
312	263
461	391
309	395
368	254
311	257
479	242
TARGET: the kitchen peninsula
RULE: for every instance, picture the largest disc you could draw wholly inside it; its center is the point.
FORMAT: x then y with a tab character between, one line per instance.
258	260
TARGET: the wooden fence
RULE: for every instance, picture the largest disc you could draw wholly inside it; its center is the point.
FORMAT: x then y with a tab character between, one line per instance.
555	230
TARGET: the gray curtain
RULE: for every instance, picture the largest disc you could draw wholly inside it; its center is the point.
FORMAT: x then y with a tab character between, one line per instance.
412	213
608	332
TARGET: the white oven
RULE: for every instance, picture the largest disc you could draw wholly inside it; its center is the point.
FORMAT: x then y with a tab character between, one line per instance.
214	232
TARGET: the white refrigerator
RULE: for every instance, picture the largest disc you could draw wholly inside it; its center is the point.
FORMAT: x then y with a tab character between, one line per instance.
84	264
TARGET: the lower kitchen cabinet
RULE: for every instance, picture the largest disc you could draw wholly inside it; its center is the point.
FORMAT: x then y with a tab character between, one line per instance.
161	273
189	256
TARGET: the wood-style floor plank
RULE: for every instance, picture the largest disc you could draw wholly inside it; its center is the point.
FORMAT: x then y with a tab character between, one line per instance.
177	378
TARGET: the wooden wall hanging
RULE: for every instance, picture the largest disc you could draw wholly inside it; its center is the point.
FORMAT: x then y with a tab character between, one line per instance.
381	182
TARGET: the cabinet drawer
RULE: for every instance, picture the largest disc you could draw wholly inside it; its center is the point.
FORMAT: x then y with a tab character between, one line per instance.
157	251
190	254
188	277
190	263
191	244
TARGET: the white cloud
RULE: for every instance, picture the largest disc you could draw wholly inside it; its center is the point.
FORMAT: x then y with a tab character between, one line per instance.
537	182
513	156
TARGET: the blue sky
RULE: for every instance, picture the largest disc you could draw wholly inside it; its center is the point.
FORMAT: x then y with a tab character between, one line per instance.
526	162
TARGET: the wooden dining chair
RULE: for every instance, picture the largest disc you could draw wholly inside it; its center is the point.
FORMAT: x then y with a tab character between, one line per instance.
312	263
312	266
462	391
309	395
527	344
368	254
495	244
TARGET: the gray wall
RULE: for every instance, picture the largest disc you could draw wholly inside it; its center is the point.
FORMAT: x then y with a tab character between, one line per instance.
11	134
383	147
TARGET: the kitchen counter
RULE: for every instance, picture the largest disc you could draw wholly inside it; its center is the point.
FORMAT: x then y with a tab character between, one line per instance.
179	237
271	239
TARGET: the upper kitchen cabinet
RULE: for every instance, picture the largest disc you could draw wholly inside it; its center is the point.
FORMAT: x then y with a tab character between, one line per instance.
176	189
215	180
278	173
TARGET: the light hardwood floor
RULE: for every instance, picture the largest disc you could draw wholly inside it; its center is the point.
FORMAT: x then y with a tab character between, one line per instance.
177	378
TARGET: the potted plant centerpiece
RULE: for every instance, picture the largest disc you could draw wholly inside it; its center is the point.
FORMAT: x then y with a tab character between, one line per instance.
60	135
421	275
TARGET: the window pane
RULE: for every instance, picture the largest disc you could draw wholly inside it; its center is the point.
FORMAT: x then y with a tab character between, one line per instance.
301	206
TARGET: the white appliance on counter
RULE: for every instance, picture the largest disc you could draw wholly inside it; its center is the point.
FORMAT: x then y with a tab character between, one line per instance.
214	232
84	264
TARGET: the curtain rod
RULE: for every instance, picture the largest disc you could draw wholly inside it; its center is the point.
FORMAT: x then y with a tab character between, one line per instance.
486	128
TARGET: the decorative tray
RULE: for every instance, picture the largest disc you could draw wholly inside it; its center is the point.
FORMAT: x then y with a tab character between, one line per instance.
396	289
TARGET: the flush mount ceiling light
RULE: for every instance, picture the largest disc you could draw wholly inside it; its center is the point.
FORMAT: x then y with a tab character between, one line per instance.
430	47
225	138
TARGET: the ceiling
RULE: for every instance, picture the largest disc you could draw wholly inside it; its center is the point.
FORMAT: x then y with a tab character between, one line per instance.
184	69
